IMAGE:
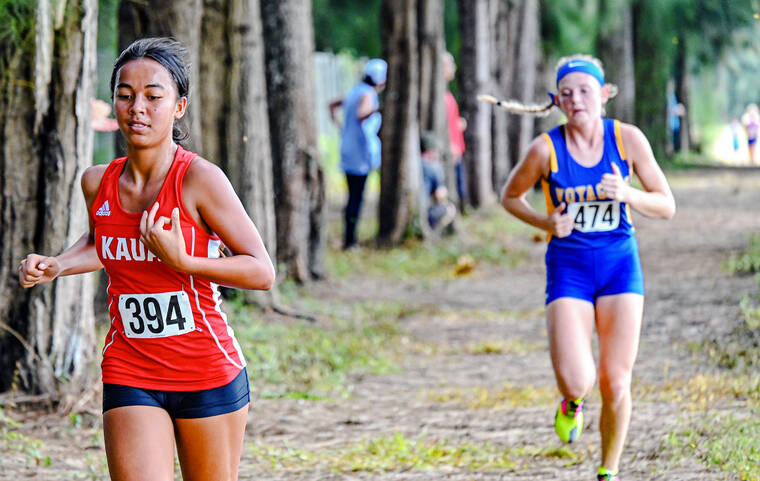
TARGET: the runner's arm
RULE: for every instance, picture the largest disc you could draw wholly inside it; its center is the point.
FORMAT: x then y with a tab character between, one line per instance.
656	199
208	192
80	258
524	176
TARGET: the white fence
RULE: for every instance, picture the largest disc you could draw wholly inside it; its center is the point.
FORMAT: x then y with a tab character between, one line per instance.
334	75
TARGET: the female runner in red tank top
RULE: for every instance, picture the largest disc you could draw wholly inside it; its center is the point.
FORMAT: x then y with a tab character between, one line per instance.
172	369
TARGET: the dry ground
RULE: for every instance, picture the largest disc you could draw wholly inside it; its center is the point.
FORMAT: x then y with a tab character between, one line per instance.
690	298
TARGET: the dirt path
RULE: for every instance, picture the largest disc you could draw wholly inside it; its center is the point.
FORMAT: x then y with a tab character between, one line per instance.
690	298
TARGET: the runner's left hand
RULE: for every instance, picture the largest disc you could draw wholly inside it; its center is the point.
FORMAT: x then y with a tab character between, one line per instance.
167	245
615	187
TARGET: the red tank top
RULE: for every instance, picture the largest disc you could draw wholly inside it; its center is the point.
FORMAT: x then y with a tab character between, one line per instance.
168	331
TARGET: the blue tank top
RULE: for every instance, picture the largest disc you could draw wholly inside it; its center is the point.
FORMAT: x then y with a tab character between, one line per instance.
360	144
598	221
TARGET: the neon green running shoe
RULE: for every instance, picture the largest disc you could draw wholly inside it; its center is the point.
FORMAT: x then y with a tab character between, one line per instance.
607	475
568	422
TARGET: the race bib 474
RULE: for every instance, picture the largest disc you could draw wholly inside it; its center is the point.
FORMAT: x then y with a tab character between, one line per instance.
594	216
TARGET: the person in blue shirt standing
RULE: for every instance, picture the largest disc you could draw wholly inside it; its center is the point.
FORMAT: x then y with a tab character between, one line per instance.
360	144
594	276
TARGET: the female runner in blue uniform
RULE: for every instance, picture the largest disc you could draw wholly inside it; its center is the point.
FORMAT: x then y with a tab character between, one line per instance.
592	262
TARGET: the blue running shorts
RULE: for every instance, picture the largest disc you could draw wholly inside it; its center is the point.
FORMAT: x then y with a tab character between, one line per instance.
589	273
183	404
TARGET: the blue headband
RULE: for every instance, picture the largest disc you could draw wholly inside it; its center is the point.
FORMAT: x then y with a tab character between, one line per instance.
579	65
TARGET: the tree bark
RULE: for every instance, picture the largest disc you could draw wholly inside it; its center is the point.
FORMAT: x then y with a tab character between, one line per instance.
180	19
299	185
400	171
213	80
526	55
474	78
652	71
47	335
235	121
615	48
682	78
432	109
431	46
501	74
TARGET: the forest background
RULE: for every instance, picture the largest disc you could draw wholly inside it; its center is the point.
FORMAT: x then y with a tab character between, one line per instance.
265	71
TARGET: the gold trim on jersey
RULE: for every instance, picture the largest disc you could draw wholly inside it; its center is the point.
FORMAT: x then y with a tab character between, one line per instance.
545	182
621	151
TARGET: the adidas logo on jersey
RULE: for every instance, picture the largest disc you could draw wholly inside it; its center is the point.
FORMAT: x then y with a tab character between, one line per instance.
104	210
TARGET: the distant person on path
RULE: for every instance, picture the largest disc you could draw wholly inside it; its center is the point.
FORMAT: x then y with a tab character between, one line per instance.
735	128
751	123
360	151
173	372
457	125
440	210
594	276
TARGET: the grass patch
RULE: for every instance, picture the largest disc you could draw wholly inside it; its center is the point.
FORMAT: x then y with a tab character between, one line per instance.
725	442
701	392
728	443
748	261
314	360
13	441
398	453
740	349
513	345
484	238
505	397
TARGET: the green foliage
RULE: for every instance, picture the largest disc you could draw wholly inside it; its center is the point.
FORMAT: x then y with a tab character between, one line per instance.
16	36
18	21
569	27
347	26
354	27
706	25
312	361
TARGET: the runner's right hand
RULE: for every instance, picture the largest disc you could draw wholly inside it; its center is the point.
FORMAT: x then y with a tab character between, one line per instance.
560	225
36	269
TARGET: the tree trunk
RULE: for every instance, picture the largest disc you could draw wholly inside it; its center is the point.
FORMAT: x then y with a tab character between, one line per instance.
682	93
47	334
652	70
400	171
235	122
501	73
213	80
615	46
180	19
432	110
474	79
525	76
299	185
